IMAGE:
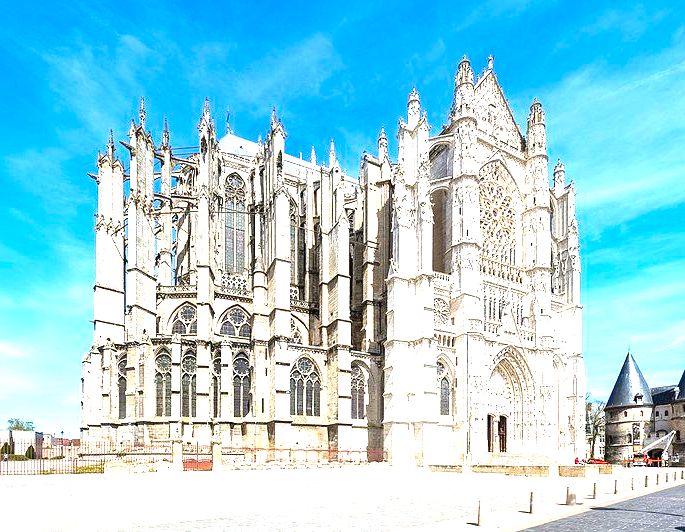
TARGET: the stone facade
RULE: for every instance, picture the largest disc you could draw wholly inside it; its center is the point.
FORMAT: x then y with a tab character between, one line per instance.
428	310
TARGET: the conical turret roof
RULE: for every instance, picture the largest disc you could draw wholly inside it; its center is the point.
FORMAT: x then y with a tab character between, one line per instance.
630	383
681	387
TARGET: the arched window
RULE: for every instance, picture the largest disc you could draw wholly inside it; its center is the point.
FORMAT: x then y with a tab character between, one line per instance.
357	392
237	323
163	384
241	385
305	389
441	230
297	247
216	384
235	224
189	385
185	321
444	383
121	382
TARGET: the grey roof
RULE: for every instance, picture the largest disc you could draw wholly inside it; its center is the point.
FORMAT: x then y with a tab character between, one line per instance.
664	395
681	386
630	382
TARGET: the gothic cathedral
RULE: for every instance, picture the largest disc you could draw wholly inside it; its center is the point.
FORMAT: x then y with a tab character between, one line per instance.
425	312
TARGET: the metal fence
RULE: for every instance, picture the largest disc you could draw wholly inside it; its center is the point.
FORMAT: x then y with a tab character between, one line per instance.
44	466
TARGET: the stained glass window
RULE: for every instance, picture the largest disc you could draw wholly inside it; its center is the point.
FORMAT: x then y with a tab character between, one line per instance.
241	385
305	384
236	324
444	383
121	367
163	384
188	385
357	389
235	224
185	322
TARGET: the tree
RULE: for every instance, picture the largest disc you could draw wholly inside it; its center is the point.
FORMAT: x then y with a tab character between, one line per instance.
594	422
19	424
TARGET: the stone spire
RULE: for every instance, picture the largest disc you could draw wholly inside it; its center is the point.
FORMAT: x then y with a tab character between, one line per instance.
165	134
413	108
382	145
631	388
141	112
312	156
559	176
463	89
110	145
228	121
332	160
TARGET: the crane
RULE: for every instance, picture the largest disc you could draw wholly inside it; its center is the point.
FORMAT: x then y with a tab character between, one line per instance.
665	440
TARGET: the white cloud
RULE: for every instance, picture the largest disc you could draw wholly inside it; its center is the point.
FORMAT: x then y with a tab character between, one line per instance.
13	350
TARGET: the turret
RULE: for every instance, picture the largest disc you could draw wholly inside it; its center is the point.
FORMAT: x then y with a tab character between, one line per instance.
382	146
462	100
413	109
312	156
559	177
536	136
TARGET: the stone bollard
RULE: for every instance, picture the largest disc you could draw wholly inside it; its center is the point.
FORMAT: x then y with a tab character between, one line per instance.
632	483
530	506
217	460
570	497
657	479
666	477
594	490
682	475
615	486
646	481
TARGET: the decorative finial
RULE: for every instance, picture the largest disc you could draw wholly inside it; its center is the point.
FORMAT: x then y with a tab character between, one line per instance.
228	121
259	140
110	142
382	137
491	62
413	96
274	117
312	156
331	154
205	108
165	134
141	112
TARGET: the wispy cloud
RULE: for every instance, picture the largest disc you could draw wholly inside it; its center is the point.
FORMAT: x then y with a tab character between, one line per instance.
11	350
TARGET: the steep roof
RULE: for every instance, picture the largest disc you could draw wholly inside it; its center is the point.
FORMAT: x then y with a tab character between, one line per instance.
664	395
681	387
630	382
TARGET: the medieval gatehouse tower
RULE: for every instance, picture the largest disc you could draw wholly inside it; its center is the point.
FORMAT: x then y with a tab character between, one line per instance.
426	310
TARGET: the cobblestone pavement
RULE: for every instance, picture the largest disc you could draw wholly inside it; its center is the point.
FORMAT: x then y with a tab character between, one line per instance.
375	497
663	510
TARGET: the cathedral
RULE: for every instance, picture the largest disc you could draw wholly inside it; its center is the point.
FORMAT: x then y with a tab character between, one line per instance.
426	311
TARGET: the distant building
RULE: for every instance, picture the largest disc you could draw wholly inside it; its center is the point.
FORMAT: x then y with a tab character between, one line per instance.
637	415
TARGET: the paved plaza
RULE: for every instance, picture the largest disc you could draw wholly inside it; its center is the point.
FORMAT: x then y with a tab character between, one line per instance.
368	497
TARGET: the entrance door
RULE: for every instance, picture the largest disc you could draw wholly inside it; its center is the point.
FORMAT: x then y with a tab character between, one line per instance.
490	442
502	434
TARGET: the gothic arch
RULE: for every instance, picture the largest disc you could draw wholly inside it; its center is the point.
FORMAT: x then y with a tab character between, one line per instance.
235	321
442	227
183	319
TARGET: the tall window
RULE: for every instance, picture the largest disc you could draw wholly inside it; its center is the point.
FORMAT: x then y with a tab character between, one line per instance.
235	224
237	323
297	247
163	384
241	385
357	393
216	385
185	321
444	384
121	382
189	385
305	389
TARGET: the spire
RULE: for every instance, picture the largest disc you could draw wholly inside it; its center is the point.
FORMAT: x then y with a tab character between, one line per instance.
491	62
205	108
536	115
331	155
274	118
165	134
141	112
631	388
559	174
463	89
312	156
413	108
464	72
228	121
413	96
382	145
110	145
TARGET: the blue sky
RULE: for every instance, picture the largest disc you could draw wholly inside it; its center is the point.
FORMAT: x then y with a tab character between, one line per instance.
611	77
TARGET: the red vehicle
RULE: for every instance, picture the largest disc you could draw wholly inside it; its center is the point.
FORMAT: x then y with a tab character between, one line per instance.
597	461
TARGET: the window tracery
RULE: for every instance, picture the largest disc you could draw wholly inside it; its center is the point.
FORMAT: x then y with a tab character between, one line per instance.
189	385
305	389
241	385
185	321
358	392
441	311
498	207
122	384
444	383
235	223
163	384
237	323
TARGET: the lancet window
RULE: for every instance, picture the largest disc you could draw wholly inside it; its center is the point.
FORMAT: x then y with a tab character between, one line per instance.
121	385
237	323
241	385
236	218
305	389
185	321
216	384
163	384
297	247
189	385
358	392
445	391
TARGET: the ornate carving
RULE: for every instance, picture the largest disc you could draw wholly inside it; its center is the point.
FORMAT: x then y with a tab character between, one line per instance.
441	311
499	204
